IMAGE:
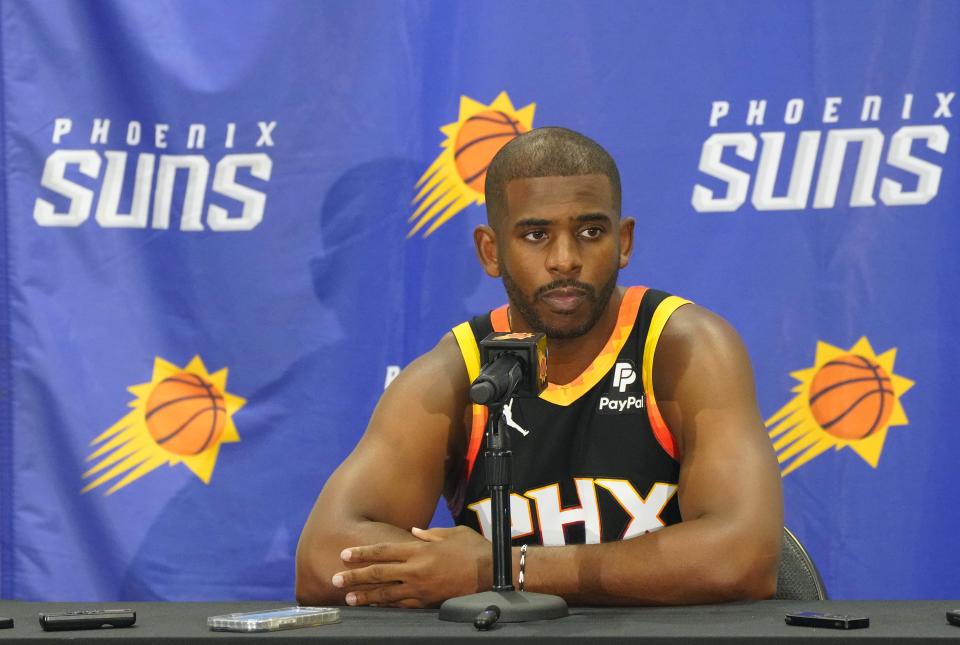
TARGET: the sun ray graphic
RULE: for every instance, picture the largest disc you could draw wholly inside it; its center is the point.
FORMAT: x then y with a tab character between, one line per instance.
181	416
847	399
456	177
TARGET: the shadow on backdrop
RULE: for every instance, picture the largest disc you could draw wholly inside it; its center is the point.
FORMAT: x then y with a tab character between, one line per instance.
376	290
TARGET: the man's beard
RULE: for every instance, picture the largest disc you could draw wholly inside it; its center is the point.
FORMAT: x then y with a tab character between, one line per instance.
597	302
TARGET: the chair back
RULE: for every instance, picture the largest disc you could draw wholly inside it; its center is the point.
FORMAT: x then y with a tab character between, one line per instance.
798	578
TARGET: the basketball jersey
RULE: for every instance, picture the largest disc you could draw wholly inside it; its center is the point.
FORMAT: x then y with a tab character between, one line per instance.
593	460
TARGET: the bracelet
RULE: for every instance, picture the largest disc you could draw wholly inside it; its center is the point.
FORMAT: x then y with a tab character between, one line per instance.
523	566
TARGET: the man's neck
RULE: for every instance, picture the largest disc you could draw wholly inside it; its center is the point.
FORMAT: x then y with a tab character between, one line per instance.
568	357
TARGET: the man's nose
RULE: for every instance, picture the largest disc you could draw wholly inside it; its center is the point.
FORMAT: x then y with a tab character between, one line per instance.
564	256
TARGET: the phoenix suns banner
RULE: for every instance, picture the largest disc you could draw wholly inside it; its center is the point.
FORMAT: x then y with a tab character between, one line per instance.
226	227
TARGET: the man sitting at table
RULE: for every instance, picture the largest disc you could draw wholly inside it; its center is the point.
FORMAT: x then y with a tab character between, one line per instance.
650	418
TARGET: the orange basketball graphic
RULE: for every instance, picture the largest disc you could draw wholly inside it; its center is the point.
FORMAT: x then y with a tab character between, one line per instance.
185	414
480	138
851	397
458	175
848	399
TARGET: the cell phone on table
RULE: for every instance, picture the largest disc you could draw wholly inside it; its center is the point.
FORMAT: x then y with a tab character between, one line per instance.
831	621
953	617
87	619
272	620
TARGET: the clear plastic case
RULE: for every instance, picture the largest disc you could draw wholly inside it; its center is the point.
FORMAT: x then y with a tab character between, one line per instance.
274	619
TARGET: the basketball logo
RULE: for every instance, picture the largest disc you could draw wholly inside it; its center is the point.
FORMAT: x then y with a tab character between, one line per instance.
185	414
849	398
458	175
479	140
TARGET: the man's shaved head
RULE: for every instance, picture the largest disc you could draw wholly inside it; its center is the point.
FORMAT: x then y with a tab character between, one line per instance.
546	152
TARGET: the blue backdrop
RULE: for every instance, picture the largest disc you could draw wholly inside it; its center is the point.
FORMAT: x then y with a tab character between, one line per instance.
262	199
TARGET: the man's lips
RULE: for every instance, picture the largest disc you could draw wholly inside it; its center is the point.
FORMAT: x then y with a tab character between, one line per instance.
564	300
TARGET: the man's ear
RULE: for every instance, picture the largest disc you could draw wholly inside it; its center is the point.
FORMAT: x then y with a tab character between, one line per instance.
626	240
485	239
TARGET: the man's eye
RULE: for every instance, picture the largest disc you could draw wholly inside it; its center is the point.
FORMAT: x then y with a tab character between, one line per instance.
592	233
534	236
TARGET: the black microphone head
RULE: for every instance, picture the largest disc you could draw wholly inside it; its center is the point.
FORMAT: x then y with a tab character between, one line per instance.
482	392
486	618
530	348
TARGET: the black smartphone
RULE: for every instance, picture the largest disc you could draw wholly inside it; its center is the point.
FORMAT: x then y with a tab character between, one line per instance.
832	621
87	619
953	617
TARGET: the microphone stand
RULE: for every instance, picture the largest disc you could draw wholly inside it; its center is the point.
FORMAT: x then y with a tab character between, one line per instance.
515	606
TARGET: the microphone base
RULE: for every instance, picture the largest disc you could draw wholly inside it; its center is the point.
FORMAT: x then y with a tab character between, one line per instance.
515	606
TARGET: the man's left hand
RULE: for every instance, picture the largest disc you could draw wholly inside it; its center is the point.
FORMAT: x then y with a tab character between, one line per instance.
444	563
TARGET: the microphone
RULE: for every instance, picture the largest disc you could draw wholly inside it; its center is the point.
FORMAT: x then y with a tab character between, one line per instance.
514	364
486	618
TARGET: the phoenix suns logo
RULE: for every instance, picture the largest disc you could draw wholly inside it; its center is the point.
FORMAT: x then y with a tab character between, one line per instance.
847	399
182	415
457	177
515	335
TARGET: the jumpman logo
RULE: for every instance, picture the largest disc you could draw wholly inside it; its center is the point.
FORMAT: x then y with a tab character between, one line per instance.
508	415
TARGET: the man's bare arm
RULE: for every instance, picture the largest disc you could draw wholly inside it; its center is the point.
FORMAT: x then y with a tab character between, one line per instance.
392	480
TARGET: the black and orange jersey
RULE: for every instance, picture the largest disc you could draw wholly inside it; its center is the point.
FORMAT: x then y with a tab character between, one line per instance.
593	460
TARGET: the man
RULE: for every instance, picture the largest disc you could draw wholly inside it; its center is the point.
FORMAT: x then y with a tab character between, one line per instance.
650	418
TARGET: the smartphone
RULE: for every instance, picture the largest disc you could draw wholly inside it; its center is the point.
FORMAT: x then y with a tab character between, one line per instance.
832	621
953	617
87	619
274	619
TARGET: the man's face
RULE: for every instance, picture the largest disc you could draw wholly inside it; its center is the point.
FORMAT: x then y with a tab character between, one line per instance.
559	252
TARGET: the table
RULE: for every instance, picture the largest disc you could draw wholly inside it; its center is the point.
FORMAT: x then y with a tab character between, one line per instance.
900	622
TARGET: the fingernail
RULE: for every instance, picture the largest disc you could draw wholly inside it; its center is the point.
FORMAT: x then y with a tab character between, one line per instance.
337	580
345	555
351	599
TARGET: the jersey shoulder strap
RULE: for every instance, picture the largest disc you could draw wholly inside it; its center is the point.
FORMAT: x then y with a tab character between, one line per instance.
468	335
655	311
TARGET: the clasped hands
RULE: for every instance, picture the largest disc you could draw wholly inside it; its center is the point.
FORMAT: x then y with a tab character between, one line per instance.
442	563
